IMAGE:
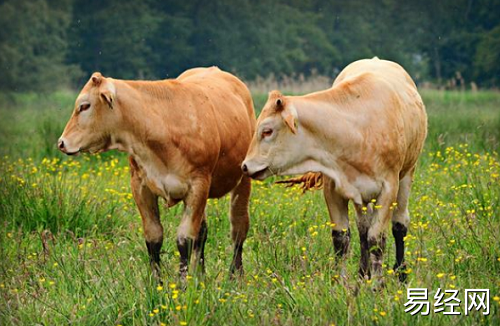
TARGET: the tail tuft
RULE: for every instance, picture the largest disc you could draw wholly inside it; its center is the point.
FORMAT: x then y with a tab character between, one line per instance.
309	181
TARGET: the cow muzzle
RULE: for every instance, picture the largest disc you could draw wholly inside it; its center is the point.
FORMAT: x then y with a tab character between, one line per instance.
62	146
257	173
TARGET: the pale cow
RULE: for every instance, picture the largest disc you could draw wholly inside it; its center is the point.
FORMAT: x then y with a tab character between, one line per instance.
186	137
364	135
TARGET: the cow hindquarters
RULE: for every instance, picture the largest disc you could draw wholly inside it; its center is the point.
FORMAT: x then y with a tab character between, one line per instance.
147	203
240	222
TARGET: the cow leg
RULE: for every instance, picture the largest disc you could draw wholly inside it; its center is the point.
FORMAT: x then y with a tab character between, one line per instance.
147	203
199	245
364	219
400	221
339	217
240	222
192	229
382	215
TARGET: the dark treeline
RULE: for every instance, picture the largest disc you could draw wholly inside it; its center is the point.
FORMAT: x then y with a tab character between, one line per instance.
46	44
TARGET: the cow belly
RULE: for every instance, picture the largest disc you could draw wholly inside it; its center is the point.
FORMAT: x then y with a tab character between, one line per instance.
224	180
176	188
227	172
170	187
368	188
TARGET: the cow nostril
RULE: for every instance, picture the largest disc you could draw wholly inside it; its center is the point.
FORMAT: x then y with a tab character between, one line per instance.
60	144
244	168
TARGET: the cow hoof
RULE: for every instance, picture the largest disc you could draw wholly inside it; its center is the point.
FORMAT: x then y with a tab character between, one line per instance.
156	273
401	273
236	273
377	285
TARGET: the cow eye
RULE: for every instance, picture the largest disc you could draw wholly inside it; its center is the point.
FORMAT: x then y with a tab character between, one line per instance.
83	107
267	133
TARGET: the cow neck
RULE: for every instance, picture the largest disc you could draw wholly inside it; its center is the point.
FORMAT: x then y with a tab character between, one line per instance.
321	115
137	133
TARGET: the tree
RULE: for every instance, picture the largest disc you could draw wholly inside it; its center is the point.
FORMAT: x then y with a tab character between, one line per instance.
45	43
114	37
488	57
33	45
262	37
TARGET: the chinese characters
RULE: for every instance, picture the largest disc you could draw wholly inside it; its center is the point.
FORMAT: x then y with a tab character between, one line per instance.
447	302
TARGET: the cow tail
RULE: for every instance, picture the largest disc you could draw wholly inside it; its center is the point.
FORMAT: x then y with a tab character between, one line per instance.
309	181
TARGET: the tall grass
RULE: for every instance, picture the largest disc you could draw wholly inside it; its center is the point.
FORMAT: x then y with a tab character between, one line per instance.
463	117
72	249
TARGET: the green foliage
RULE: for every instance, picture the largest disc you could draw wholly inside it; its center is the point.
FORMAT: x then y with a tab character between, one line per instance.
33	43
259	38
115	37
488	57
45	44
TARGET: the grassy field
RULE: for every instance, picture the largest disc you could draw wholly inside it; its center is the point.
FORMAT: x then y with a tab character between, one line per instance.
72	250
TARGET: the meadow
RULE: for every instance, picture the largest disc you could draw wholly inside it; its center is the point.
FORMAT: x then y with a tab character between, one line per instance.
72	249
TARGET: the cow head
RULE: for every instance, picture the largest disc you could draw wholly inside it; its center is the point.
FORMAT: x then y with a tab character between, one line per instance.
89	128
276	143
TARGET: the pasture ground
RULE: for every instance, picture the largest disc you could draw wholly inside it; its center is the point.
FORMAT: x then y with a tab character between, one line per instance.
72	250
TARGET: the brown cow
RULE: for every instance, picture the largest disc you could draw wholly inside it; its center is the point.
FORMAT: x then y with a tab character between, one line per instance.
364	135
186	137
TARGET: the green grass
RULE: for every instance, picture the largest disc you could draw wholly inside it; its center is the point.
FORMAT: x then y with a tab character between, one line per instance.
72	250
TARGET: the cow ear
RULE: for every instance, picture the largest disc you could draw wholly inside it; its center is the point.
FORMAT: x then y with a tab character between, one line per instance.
290	120
279	104
96	78
107	96
277	100
107	92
